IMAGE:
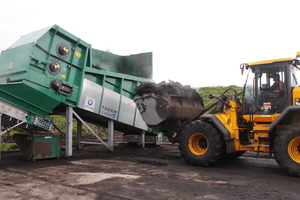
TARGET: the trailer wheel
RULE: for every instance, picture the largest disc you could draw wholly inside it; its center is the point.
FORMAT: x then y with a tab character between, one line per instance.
287	149
201	144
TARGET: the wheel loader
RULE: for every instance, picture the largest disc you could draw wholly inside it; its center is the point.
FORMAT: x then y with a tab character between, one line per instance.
264	117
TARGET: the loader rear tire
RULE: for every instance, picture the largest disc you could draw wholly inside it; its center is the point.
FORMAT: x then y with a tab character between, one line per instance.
287	148
201	144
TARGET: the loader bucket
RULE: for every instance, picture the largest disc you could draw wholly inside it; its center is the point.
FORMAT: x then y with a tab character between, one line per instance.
160	113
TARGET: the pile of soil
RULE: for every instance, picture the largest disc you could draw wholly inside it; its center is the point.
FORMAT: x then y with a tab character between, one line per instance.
166	89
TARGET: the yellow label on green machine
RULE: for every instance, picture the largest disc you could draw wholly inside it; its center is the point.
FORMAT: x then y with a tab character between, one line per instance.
77	54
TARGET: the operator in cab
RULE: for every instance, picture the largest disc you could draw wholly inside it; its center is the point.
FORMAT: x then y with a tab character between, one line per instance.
276	87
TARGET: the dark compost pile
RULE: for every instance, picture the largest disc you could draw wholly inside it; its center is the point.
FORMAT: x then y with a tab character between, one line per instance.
166	89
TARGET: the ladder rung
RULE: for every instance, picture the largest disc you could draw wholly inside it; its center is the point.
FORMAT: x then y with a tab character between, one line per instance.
263	145
263	136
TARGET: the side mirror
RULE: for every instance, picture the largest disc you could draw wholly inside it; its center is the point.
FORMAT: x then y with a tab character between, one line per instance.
243	66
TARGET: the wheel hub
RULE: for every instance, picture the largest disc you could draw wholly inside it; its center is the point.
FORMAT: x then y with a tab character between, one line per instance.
294	149
203	143
198	144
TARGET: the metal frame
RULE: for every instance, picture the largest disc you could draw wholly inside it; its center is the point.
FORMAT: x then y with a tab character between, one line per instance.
142	139
69	139
69	115
18	124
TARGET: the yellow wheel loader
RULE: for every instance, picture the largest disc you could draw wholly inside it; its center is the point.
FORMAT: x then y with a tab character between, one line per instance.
265	117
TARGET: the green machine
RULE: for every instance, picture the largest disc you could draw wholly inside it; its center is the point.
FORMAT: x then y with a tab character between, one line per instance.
47	70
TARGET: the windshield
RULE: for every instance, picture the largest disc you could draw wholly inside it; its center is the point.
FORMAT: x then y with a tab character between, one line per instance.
264	89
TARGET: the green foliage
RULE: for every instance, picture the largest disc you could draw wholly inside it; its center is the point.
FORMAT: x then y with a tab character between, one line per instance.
6	142
60	122
216	90
18	131
7	146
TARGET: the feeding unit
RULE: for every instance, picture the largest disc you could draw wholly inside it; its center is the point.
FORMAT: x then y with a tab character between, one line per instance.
51	71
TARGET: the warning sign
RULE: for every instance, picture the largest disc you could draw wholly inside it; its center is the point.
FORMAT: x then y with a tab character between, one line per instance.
267	105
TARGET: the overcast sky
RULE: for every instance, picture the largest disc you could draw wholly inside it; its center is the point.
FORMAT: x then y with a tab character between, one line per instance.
197	43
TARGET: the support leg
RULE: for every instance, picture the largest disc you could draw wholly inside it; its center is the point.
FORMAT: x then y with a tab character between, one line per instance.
69	116
142	139
79	133
110	135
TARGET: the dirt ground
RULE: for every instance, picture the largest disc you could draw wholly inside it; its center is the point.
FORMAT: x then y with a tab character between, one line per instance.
132	172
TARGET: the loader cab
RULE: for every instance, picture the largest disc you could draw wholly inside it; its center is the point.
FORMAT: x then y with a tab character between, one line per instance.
268	87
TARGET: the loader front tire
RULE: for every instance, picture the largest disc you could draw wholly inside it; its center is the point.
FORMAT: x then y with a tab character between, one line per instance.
201	144
287	148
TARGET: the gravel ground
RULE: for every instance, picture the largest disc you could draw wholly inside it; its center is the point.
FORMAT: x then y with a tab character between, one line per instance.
132	172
